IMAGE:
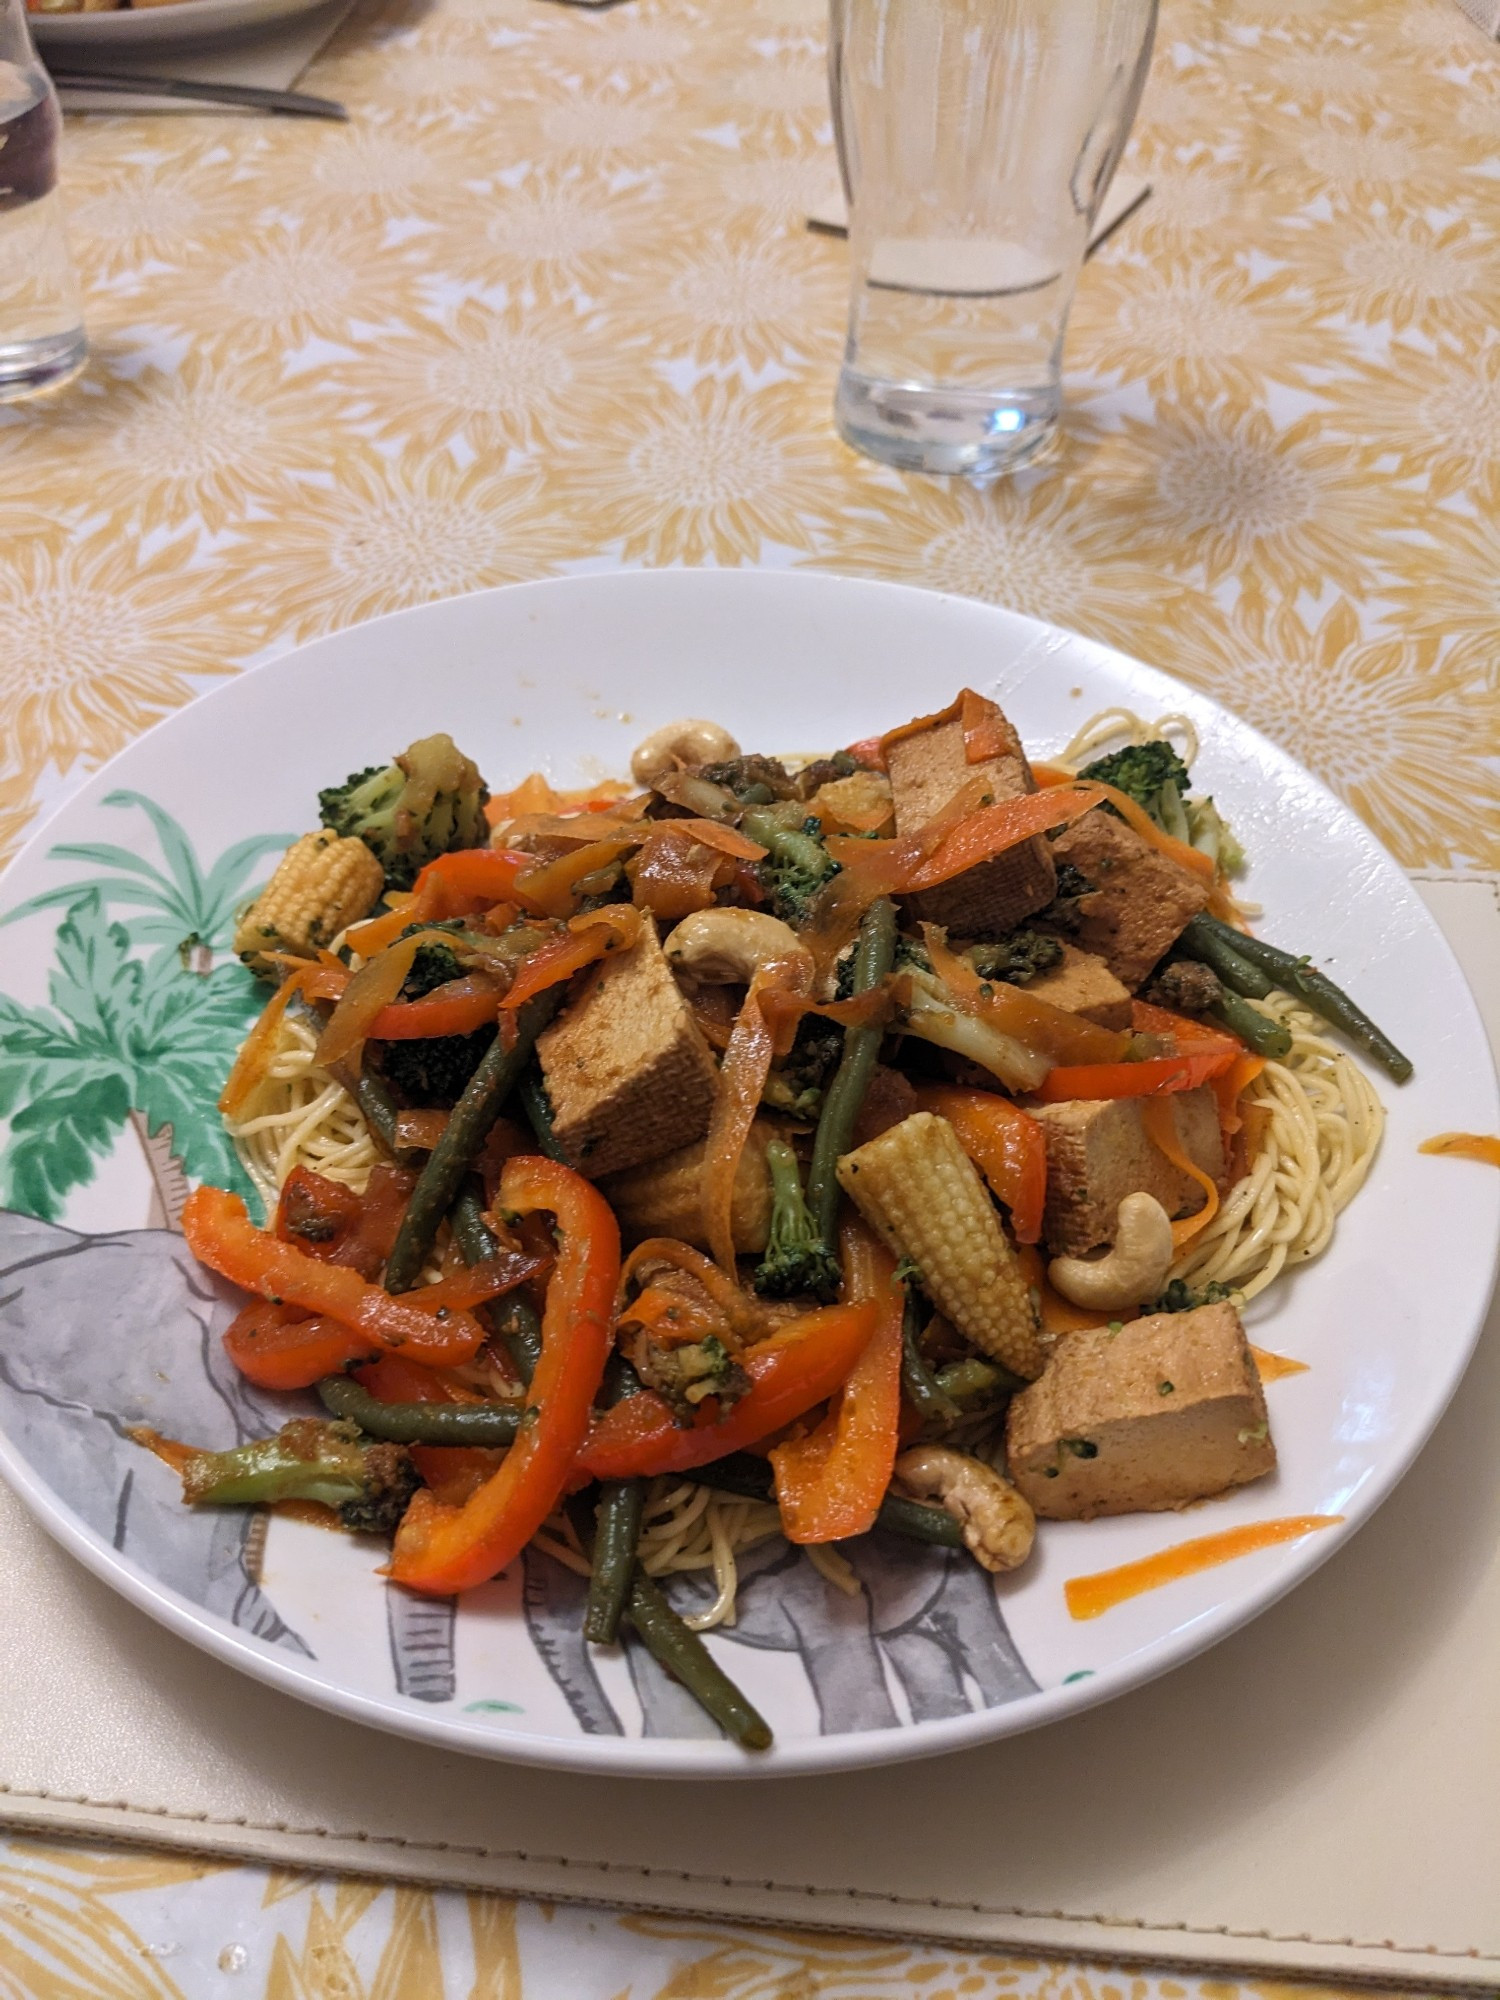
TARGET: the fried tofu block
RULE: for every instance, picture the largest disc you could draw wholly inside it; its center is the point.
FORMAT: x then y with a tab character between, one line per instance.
1083	984
665	1197
1162	1412
628	1073
1140	900
926	770
1098	1152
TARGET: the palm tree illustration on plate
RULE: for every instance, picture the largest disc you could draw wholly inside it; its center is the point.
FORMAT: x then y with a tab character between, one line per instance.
144	1019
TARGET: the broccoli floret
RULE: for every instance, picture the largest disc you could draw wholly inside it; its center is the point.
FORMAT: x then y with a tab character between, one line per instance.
754	781
1140	770
796	866
1063	912
430	801
688	1375
797	1259
1179	1297
369	1484
1017	958
431	1072
796	1085
1185	986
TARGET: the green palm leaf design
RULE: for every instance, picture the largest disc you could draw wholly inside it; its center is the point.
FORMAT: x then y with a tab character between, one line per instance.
142	1025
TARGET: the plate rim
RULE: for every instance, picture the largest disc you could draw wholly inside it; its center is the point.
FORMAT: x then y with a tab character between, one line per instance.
179	23
689	1758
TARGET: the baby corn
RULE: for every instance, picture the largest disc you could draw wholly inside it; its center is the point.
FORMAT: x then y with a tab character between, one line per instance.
321	884
918	1188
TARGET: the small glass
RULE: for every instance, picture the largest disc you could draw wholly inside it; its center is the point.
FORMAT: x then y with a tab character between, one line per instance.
977	139
42	342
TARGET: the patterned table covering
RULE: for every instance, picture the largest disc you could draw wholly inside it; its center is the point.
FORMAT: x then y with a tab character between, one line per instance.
547	304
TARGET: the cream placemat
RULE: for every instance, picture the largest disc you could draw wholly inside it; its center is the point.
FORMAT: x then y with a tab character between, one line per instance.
1316	1796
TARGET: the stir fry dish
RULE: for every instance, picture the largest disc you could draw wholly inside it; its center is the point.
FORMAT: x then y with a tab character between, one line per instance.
878	1144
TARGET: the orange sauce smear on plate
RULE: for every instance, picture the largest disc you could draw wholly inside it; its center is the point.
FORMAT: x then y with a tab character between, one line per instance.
1465	1146
1092	1596
1271	1367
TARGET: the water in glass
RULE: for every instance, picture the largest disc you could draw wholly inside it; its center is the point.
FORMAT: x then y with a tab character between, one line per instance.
41	321
977	139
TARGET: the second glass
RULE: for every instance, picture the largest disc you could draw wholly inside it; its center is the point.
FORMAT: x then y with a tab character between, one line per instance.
42	342
977	139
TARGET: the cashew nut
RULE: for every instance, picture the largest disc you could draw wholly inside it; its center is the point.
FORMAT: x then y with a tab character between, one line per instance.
728	947
999	1526
1133	1271
691	741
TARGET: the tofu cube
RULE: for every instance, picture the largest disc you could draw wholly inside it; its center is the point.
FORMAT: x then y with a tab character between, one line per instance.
1140	900
926	771
1083	984
1167	1410
628	1073
1098	1151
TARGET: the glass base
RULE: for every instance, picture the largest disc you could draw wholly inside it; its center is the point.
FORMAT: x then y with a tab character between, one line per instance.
980	433
27	367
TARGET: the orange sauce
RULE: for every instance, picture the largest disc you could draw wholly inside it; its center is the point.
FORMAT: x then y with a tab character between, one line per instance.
1271	1367
1092	1596
166	1449
1465	1146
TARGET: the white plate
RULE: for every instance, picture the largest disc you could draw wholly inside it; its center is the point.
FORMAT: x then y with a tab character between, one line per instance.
149	27
100	1330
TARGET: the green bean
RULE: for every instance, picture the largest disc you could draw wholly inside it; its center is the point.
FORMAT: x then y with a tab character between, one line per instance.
621	1503
487	1424
373	1096
1302	979
679	1649
1202	942
740	1472
688	1660
973	1379
1256	1030
874	955
513	1318
917	1379
534	1103
454	1154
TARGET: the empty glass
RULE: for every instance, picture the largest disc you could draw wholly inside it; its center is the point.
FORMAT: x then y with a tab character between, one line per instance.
41	320
977	139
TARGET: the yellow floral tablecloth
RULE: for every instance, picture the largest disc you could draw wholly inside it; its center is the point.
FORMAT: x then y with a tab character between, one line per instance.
546	304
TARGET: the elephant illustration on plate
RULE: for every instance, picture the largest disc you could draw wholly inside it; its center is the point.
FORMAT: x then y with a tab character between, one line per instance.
925	1631
99	1335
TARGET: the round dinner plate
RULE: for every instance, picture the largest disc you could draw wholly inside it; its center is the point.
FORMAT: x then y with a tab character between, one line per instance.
178	22
120	1009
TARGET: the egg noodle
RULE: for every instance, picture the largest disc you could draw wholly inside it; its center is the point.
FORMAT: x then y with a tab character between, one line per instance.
1321	1127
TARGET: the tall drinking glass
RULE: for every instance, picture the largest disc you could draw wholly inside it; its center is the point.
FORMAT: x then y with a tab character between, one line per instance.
977	139
41	320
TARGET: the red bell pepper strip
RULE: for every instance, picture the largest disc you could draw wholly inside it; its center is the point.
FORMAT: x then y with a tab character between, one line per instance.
1157	1076
221	1235
445	1549
455	1009
1008	1147
829	1484
280	1347
801	1365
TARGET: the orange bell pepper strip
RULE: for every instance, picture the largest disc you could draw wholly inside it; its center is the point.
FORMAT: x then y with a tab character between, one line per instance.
454	885
221	1235
1008	1147
1157	1076
830	1483
445	1549
799	1366
280	1347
